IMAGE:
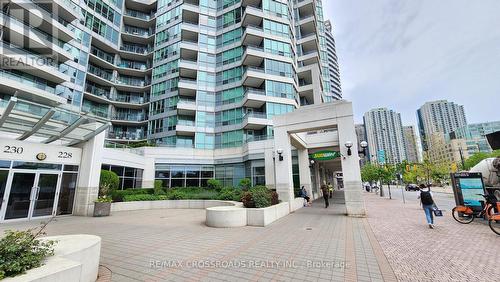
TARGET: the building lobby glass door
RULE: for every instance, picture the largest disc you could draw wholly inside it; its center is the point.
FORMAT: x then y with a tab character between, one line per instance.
30	194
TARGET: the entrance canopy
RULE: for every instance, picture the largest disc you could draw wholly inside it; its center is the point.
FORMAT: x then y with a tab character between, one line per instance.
334	125
25	120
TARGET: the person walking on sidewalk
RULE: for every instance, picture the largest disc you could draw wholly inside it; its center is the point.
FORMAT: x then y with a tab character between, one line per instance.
427	204
325	191
330	190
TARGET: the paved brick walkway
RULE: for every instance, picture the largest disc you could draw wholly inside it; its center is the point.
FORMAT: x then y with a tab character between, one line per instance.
450	252
312	244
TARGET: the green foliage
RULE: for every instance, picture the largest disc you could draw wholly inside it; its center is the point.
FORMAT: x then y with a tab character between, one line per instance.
104	199
259	197
118	195
370	173
108	182
177	195
245	183
410	177
141	144
158	189
21	251
478	157
229	194
214	184
144	197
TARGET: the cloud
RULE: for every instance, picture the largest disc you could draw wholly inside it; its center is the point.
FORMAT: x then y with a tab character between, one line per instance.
402	53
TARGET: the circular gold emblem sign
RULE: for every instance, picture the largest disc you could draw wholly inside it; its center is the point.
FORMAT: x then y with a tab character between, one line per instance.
41	156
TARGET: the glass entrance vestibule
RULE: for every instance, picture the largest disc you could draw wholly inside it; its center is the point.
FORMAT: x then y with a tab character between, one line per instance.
30	190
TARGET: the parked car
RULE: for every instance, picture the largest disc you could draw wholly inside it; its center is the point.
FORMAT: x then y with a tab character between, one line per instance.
412	187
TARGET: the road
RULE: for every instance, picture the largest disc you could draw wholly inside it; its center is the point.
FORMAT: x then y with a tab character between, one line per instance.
444	201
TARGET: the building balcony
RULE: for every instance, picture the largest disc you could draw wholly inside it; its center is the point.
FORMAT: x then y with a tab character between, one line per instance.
188	68
254	98
99	94
253	56
35	64
128	118
23	35
186	107
26	88
100	75
66	9
131	84
256	120
98	112
137	35
127	135
253	36
133	68
47	21
185	127
254	3
252	16
254	77
187	87
135	52
139	19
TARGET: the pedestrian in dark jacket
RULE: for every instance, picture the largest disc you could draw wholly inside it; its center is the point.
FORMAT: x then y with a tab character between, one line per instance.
427	204
325	191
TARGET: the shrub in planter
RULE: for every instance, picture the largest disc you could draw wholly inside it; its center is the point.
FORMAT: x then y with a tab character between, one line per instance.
158	189
259	197
214	184
247	200
21	251
118	195
229	194
245	183
177	195
107	184
274	198
144	197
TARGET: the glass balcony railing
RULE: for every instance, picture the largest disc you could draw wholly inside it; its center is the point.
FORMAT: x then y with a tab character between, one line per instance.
256	115
95	111
100	72
137	31
187	101
136	49
133	65
126	135
255	91
27	81
130	99
129	117
185	122
132	81
97	91
33	57
103	55
138	14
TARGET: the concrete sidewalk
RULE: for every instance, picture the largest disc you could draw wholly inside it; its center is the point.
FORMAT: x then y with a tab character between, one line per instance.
312	244
450	252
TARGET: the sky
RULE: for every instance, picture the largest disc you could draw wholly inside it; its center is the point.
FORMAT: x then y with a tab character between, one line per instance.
399	54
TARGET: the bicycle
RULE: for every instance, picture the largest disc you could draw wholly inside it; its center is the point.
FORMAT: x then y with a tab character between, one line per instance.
465	214
494	221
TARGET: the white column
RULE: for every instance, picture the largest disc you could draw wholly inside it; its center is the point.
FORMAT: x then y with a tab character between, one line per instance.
284	179
87	189
305	171
350	168
269	168
148	175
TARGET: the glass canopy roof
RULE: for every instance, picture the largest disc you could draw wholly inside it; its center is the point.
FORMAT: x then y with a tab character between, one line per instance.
25	120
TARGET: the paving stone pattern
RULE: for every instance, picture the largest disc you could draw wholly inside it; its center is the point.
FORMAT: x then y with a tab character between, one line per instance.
312	244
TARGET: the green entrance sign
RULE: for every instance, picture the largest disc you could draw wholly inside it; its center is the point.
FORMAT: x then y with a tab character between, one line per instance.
325	155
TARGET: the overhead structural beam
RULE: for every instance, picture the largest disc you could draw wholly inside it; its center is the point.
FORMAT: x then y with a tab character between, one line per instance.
92	134
67	130
8	109
38	125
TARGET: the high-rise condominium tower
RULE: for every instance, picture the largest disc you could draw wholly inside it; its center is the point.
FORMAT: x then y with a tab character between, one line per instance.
203	75
439	117
411	143
333	64
384	131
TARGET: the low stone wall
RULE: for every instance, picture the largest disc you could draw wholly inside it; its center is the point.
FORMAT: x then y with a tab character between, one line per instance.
170	204
266	216
296	204
76	258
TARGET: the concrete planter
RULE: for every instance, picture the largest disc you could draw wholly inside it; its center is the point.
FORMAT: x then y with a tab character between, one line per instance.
265	216
102	209
226	217
76	258
171	204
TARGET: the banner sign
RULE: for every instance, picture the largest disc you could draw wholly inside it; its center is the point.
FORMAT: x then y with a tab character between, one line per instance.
325	155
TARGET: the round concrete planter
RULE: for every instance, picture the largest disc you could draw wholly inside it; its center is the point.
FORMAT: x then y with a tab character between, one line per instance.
75	259
226	217
102	209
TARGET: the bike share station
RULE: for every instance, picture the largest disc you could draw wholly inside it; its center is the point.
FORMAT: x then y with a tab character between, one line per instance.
467	189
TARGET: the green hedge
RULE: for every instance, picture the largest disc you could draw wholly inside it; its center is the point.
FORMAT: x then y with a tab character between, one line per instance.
259	197
181	193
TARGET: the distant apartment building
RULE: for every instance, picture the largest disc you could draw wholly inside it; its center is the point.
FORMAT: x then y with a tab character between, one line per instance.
384	132
439	116
411	143
446	151
475	135
335	88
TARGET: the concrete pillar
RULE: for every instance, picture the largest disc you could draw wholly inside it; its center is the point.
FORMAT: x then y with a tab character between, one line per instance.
269	167
148	176
305	171
284	178
350	168
87	189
